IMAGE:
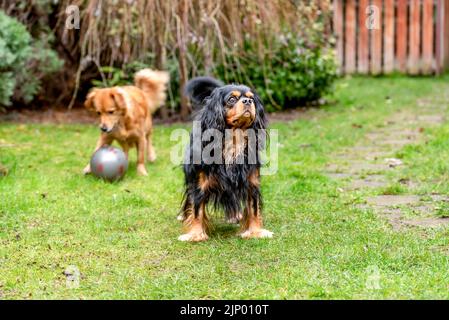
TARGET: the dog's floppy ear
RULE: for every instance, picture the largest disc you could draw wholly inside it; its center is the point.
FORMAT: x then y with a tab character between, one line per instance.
120	98
261	120
213	112
260	125
89	103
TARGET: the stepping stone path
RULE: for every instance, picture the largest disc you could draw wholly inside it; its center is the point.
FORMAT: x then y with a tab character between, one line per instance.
364	167
392	200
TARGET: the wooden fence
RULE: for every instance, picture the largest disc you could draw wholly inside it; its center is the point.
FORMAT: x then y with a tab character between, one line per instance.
382	36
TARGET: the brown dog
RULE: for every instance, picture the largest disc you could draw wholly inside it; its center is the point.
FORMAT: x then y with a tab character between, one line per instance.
125	114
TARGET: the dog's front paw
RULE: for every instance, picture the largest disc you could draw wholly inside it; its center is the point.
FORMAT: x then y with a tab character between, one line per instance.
256	234
193	237
141	170
87	170
152	156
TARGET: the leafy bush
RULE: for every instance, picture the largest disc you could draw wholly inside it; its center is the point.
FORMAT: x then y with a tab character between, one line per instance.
293	74
15	51
24	61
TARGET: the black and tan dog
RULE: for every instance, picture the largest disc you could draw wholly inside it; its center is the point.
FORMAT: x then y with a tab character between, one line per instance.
232	180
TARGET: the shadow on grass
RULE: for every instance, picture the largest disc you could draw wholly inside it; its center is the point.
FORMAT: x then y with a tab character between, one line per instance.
223	230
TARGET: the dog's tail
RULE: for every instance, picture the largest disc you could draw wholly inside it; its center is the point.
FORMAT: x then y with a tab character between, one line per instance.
200	88
154	84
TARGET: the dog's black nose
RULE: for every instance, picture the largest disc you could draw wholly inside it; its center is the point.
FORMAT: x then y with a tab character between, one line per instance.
246	101
104	129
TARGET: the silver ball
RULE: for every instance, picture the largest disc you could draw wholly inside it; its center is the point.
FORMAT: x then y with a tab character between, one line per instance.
109	163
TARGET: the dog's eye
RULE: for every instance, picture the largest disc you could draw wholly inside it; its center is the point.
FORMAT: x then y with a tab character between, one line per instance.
98	112
232	100
111	112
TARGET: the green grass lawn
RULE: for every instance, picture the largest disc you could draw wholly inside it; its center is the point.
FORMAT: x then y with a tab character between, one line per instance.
123	237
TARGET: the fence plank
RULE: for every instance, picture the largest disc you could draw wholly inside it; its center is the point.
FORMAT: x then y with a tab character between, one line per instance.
411	41
350	44
363	38
442	36
388	36
338	30
401	36
439	36
427	37
414	38
376	37
446	36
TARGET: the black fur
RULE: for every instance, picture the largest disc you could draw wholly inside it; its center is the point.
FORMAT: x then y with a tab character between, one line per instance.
233	188
200	88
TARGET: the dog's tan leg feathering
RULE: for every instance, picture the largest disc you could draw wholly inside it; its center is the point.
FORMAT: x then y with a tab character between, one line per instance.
252	226
141	148
125	147
151	154
195	225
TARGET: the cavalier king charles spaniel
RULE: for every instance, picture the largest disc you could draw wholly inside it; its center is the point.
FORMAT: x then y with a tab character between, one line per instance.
222	164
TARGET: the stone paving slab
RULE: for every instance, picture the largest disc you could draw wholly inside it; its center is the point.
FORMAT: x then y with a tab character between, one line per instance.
427	222
357	184
339	175
358	168
434	119
439	197
395	142
392	200
393	135
369	156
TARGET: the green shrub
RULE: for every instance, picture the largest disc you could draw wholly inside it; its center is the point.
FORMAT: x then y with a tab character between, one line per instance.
24	61
15	51
293	74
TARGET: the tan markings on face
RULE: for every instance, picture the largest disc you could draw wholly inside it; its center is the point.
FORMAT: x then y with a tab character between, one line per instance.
249	94
241	115
236	94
